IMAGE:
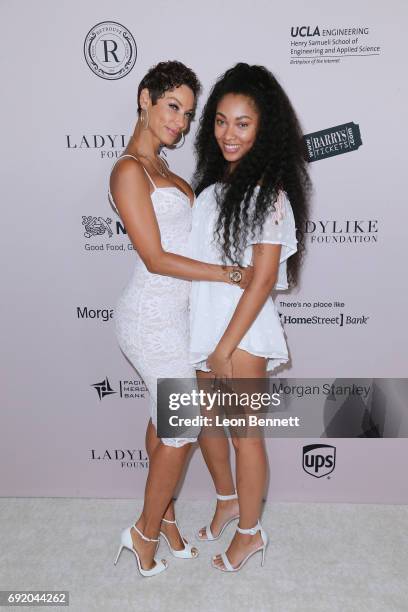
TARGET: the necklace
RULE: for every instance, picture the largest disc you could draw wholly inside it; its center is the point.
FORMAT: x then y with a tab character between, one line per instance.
159	164
162	167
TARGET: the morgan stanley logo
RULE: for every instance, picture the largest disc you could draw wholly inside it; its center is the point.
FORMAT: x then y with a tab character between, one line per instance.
332	141
103	388
319	459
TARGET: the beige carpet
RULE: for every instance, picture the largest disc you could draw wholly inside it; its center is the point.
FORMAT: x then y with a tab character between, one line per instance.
321	558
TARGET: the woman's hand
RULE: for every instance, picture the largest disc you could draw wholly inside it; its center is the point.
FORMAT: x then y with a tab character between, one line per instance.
220	364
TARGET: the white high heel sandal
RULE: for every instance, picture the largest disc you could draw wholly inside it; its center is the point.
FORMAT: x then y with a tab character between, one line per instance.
210	537
188	552
252	531
127	542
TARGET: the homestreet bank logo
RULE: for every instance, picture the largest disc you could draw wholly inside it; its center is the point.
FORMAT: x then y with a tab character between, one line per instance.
110	50
319	459
304	312
341	319
337	231
128	389
128	458
333	141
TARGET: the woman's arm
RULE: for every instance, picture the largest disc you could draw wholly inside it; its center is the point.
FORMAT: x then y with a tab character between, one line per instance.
131	193
266	265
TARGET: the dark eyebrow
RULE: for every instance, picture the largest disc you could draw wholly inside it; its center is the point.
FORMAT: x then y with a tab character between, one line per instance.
236	118
178	102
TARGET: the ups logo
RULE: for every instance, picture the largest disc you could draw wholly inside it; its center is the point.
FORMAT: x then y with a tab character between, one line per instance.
319	459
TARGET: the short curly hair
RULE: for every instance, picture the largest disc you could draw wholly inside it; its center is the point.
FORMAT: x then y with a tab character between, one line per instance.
166	76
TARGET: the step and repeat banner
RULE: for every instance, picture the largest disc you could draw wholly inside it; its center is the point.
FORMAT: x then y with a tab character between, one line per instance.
74	411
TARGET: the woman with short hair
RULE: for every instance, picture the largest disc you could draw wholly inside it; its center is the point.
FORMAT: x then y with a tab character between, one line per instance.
151	315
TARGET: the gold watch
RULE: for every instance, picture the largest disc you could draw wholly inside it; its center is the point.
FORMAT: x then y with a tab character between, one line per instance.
235	276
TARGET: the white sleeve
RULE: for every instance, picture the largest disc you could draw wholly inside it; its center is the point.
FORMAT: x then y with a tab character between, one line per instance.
279	228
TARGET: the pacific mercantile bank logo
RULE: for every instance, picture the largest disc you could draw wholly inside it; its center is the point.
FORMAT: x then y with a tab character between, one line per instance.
319	459
110	50
103	388
127	389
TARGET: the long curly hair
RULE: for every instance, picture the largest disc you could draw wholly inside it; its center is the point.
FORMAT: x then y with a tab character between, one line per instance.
165	76
275	162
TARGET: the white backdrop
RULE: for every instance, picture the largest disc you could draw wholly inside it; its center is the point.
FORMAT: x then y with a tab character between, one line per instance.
62	128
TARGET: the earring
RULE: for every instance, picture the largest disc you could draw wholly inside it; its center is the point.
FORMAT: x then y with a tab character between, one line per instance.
178	146
144	118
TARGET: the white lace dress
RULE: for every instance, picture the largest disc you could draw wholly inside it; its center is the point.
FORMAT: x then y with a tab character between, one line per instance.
213	304
151	315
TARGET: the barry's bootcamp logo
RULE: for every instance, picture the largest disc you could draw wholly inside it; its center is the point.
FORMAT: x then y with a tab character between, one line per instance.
332	141
319	459
110	50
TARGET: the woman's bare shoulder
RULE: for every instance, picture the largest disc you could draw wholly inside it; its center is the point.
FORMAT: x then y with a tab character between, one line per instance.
128	169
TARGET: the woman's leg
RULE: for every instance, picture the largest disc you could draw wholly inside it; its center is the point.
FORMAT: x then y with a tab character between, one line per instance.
171	531
216	453
165	468
251	469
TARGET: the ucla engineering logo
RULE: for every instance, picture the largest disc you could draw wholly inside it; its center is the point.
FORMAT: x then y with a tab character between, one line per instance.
110	50
319	459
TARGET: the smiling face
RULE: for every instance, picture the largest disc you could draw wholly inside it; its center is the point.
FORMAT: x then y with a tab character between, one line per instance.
236	126
171	114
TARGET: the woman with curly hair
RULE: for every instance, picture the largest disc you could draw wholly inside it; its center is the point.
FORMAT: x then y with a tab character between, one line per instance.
252	187
151	315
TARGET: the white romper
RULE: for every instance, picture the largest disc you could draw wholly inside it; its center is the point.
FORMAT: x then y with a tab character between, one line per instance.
213	304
